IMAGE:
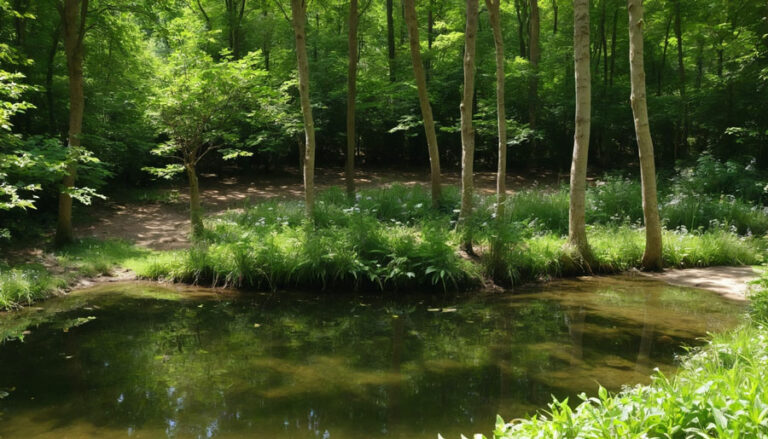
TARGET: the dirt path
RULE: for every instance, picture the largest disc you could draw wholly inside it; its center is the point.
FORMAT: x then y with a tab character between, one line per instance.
730	282
165	226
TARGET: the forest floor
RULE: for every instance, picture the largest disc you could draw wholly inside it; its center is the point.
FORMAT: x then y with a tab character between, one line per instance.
163	223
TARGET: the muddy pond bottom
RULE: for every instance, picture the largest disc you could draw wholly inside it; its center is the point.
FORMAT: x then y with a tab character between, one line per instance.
142	361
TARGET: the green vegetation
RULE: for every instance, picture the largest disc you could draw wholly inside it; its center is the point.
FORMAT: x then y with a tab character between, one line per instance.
391	239
100	98
719	391
24	284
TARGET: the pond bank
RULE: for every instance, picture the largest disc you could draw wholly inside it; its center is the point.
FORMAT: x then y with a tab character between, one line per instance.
730	282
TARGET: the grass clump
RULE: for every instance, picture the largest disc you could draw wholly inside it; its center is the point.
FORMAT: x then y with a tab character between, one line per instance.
615	249
385	239
92	257
362	255
25	285
392	239
29	282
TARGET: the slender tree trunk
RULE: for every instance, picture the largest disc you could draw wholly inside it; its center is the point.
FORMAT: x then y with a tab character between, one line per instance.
467	130
554	13
426	109
55	37
522	19
20	21
266	46
74	13
720	62
351	92
604	38
391	41
663	57
613	46
577	226
298	14
430	26
501	116
699	66
195	209
681	72
534	55
652	257
404	25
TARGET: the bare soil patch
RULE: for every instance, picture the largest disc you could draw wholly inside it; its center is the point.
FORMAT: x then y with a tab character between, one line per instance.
730	282
165	226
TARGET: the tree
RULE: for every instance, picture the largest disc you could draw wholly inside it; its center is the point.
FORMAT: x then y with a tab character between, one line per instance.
298	18
73	13
683	141
467	130
577	231
426	108
349	170
501	115
235	13
652	256
390	41
534	56
198	107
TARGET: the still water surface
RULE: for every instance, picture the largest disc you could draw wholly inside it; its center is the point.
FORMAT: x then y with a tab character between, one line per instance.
142	361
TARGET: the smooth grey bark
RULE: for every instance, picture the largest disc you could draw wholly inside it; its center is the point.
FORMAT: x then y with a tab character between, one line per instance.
298	20
652	256
349	169
467	129
426	108
501	116
577	229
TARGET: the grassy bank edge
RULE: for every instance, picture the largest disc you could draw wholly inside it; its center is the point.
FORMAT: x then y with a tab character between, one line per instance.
52	273
440	267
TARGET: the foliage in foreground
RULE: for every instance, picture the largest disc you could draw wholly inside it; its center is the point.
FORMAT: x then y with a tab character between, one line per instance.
719	391
391	239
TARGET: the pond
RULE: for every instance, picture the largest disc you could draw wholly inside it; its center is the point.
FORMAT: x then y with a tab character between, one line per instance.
145	361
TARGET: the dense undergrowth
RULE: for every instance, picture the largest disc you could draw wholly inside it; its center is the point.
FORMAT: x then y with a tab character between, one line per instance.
719	391
391	239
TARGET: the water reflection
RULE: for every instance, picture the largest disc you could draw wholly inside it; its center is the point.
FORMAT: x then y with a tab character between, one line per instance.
143	361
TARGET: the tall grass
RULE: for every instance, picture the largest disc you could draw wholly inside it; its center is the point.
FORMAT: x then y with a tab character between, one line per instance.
616	249
24	284
391	239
